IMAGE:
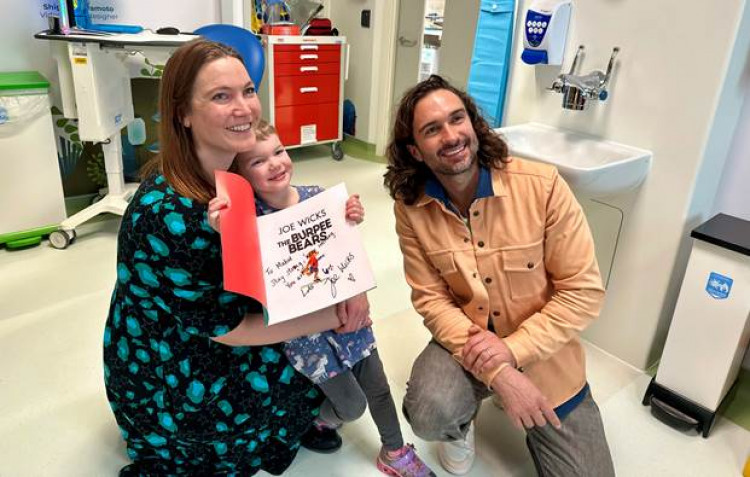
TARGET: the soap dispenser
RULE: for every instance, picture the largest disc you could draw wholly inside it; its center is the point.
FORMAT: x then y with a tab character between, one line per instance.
545	30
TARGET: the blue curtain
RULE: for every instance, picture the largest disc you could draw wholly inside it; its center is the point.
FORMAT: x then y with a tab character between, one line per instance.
488	76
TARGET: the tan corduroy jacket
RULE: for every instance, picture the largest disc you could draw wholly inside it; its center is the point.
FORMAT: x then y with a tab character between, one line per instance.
526	262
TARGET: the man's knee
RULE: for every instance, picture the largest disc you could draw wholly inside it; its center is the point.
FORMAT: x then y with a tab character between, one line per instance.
430	417
440	398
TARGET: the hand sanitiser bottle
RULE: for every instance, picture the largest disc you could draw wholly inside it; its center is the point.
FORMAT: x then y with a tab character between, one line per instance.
545	31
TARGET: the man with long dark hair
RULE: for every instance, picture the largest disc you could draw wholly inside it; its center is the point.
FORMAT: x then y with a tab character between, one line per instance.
501	263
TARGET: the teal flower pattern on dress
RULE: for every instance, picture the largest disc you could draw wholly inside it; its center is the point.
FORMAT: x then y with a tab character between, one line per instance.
185	404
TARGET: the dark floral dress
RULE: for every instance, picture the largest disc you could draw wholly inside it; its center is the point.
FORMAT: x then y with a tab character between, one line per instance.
184	403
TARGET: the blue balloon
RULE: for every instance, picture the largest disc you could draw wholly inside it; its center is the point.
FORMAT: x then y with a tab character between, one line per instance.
243	41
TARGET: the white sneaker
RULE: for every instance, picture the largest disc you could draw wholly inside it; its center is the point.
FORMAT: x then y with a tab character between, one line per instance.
457	457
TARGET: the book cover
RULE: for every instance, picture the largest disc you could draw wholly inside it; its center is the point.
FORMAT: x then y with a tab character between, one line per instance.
294	261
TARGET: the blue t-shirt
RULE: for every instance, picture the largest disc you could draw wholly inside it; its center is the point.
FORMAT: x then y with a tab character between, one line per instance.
321	356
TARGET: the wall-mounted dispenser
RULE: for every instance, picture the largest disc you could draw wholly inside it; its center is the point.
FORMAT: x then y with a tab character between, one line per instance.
545	30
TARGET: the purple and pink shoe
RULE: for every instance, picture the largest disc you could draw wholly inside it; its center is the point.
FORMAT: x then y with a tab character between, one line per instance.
405	463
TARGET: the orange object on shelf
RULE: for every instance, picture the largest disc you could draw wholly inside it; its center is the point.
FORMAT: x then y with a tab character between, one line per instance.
289	29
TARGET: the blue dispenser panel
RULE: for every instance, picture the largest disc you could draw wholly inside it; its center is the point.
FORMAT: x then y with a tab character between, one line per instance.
536	26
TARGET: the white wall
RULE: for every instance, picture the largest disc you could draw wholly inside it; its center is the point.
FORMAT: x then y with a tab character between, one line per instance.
460	24
359	87
187	15
733	197
20	51
366	87
18	48
675	92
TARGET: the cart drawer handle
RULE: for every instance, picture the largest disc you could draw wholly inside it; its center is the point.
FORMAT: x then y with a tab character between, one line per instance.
311	89
308	47
308	57
302	69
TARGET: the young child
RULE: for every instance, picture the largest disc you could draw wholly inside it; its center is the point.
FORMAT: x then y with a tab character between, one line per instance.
346	367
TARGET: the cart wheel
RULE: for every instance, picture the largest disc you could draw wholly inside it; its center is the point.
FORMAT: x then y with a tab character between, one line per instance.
72	233
336	151
60	239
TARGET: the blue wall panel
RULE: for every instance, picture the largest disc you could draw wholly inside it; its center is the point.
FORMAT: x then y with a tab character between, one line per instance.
488	76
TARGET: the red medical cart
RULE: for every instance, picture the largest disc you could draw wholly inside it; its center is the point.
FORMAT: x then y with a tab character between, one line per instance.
303	91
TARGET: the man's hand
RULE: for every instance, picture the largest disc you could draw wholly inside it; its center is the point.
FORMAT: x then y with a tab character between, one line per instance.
355	212
484	351
354	314
215	205
523	402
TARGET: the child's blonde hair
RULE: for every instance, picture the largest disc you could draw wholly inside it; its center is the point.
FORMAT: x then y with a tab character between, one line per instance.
263	130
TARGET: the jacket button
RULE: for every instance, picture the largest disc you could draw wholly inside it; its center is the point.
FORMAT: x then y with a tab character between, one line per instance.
495	313
466	240
480	243
476	213
481	308
474	275
530	265
488	280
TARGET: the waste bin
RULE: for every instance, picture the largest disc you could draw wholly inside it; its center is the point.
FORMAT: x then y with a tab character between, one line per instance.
31	191
710	328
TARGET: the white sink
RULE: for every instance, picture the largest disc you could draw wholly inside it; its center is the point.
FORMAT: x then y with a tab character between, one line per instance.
592	167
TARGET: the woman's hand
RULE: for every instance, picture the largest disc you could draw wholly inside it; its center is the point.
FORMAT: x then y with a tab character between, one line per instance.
354	210
354	314
215	205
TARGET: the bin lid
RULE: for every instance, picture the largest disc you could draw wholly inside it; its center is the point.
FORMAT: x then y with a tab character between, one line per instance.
725	231
19	80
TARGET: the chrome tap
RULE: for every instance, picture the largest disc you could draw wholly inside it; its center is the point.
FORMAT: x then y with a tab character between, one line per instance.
578	89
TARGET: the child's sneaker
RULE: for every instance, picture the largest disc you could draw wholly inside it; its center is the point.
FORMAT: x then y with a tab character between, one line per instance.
406	463
321	437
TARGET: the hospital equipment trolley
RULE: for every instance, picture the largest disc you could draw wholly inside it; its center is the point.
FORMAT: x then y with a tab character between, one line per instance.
304	94
710	327
94	73
31	190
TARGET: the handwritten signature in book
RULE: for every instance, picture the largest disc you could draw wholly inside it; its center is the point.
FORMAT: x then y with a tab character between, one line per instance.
306	289
332	278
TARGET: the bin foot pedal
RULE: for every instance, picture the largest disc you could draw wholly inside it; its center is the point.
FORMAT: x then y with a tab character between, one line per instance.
677	411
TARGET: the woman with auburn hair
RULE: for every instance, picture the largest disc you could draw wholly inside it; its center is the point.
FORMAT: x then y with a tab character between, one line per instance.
197	383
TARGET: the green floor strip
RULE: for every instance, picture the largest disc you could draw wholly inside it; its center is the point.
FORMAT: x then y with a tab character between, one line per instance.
352	147
737	402
361	150
310	152
77	203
